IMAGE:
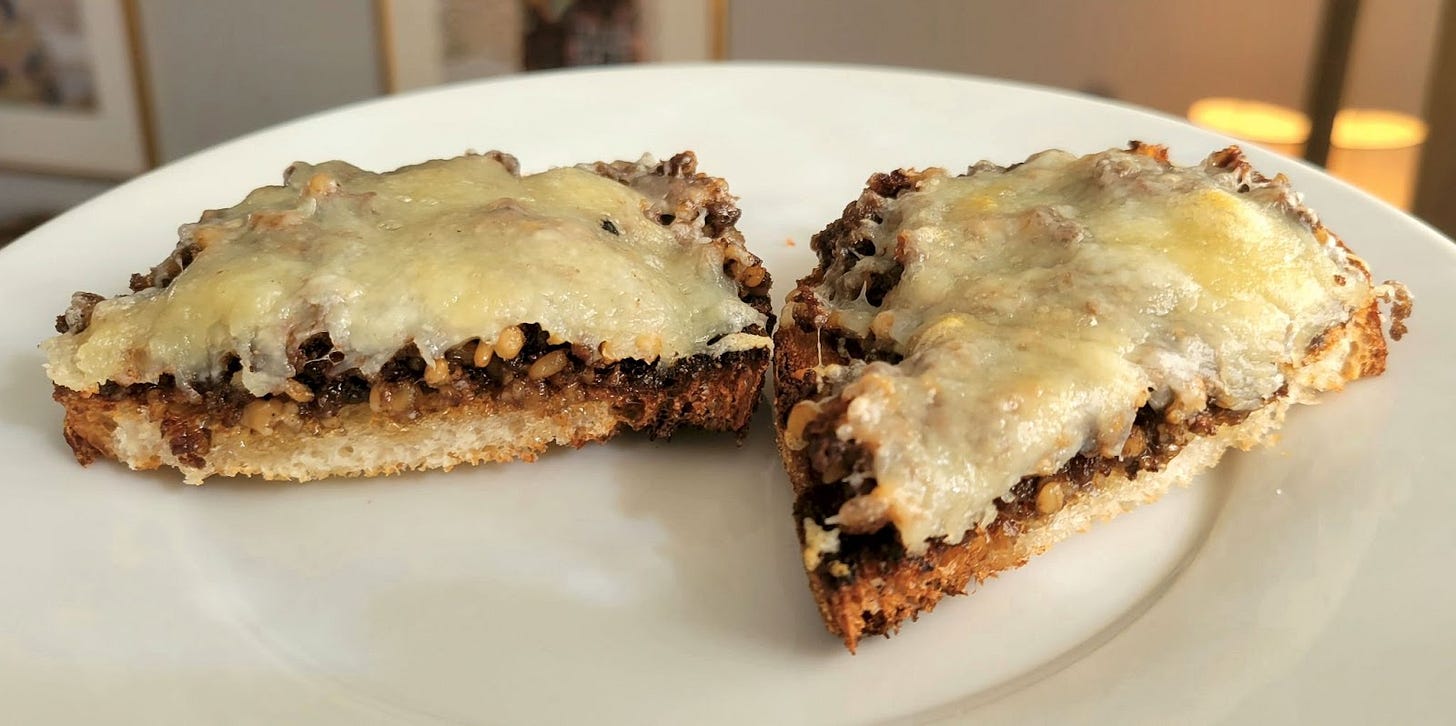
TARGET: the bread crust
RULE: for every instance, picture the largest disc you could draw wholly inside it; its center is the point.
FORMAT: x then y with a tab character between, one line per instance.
874	590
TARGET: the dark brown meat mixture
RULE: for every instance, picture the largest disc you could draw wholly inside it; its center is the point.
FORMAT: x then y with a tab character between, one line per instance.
648	396
78	315
845	253
844	233
832	458
695	205
847	241
162	275
680	194
1153	443
869	350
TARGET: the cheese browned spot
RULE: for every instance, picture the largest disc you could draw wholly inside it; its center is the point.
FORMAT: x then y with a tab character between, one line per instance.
1031	312
434	254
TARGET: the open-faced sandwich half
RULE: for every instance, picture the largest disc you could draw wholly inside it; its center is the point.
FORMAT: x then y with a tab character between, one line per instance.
355	323
984	364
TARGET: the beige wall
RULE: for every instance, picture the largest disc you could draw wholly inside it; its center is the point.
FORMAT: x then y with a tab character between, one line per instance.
1159	53
221	68
1395	44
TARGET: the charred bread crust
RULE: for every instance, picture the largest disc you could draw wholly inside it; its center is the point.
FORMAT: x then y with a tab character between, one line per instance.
871	586
540	375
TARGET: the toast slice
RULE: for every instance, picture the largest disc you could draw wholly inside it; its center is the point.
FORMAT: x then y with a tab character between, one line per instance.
353	323
984	364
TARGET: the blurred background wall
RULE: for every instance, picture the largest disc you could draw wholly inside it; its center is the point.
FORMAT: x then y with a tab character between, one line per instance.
222	69
218	69
1158	53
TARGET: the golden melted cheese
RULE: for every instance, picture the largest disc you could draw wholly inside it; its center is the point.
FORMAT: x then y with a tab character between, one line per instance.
1040	307
434	254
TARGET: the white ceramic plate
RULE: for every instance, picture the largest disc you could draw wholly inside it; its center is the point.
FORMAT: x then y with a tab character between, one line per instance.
646	582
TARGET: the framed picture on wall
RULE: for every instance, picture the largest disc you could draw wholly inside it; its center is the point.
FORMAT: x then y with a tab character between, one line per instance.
72	101
428	42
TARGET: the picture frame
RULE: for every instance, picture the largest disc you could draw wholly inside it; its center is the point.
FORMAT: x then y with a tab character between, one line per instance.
98	125
415	53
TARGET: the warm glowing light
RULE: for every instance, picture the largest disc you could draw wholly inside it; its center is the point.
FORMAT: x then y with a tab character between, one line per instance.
1374	149
1373	128
1378	151
1278	128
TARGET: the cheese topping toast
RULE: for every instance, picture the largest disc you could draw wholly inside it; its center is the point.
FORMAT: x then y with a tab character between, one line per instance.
975	349
433	254
417	294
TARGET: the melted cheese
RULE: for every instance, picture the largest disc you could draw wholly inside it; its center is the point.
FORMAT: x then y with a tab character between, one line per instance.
434	254
1040	307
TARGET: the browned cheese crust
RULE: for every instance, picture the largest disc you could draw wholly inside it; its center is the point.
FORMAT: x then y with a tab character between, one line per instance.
539	389
872	585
